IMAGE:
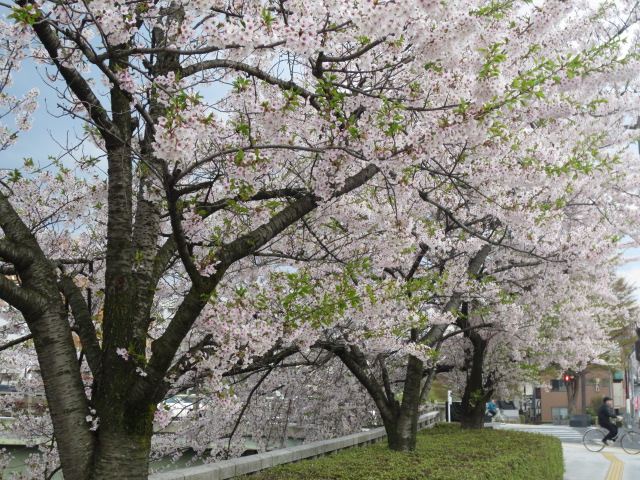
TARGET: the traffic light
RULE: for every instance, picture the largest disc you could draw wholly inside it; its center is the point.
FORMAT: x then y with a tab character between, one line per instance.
567	378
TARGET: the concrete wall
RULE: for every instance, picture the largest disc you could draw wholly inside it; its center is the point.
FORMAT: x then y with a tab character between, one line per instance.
242	466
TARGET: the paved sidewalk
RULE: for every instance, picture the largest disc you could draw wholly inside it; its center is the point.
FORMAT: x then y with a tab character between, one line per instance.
612	463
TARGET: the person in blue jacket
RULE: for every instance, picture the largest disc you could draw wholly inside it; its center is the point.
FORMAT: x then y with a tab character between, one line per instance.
492	409
605	414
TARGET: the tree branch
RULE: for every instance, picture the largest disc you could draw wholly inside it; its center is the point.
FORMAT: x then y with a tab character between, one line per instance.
466	330
246	405
385	378
14	253
254	72
254	240
164	348
26	301
181	364
16	341
478	235
84	322
181	241
414	268
369	382
512	265
73	79
210	208
435	334
354	55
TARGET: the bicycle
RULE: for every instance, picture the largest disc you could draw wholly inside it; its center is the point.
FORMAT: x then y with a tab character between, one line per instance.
499	417
593	440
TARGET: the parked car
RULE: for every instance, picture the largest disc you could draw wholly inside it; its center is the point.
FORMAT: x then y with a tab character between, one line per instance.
180	406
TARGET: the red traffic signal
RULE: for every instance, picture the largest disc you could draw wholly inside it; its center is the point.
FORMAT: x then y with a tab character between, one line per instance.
567	378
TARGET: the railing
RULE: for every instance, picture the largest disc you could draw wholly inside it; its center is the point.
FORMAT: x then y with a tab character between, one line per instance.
236	467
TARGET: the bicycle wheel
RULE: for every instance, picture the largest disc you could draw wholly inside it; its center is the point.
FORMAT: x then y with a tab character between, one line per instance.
592	440
631	442
500	418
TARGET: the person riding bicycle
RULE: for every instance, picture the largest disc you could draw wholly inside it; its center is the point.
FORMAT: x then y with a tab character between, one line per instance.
492	409
604	414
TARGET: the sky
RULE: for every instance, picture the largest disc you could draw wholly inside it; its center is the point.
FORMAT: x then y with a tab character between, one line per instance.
631	271
50	129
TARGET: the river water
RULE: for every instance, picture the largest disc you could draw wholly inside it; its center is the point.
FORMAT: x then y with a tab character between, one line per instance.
21	455
188	459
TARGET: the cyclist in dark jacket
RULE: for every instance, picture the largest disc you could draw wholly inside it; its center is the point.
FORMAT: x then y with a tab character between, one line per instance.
604	415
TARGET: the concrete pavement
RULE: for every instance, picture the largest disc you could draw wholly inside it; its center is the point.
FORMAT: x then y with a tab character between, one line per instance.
611	463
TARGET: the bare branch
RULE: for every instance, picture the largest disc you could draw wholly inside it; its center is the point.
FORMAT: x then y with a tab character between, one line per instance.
72	77
480	236
246	405
16	341
254	72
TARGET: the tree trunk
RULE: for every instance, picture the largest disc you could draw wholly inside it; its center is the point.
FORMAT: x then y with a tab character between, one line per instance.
400	419
473	419
58	361
123	450
402	429
572	397
399	434
475	394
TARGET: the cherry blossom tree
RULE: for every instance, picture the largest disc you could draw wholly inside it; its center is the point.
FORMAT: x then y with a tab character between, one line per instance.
359	133
562	217
557	322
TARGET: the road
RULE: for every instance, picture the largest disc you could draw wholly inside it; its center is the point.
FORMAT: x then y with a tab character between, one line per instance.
612	463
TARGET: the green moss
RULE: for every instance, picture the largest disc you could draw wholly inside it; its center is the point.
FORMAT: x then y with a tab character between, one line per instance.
445	452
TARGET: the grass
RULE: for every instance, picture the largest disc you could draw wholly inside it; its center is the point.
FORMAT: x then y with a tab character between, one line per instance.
445	452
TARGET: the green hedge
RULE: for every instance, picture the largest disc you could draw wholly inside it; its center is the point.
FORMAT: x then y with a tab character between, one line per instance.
445	452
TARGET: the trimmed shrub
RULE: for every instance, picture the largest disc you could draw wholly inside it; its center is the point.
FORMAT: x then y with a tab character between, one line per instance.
445	452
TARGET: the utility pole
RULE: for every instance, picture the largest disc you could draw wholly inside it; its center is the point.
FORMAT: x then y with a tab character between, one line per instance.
583	389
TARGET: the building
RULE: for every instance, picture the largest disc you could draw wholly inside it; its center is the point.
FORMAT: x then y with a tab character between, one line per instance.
554	401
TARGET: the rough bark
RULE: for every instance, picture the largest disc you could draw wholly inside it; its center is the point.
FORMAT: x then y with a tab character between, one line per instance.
124	443
478	390
402	429
476	394
38	300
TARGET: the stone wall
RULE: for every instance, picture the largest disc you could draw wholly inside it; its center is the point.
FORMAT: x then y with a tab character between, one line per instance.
236	467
